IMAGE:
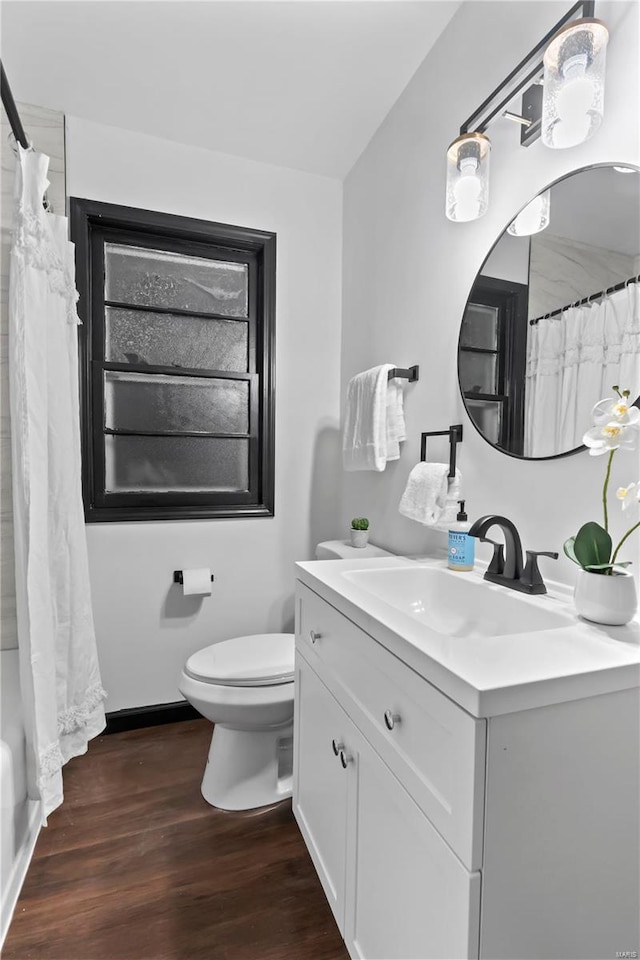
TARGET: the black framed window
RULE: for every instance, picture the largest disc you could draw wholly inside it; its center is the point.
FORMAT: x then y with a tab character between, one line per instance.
176	365
492	360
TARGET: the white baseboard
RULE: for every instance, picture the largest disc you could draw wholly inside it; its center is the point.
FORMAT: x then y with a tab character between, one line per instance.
12	888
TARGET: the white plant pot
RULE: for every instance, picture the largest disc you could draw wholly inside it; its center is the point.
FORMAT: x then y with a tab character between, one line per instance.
603	599
359	538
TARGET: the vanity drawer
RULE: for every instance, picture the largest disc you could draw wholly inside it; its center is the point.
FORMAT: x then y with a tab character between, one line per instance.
434	747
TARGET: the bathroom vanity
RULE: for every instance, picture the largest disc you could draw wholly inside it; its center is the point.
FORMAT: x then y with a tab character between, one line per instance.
466	765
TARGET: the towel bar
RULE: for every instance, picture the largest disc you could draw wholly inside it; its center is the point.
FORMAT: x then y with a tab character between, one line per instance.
455	437
412	374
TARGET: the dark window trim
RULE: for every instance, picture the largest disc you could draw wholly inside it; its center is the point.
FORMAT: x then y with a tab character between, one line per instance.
90	221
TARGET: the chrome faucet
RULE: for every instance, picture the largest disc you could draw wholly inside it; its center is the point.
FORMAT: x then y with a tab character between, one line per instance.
506	568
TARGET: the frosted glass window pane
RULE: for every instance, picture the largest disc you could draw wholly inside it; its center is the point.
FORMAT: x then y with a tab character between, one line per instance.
159	278
480	327
478	372
166	464
167	340
151	403
487	415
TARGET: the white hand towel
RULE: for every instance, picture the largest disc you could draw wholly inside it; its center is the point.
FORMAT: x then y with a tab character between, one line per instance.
451	509
429	493
396	430
374	423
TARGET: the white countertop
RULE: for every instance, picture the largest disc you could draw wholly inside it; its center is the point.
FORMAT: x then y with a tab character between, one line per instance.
488	676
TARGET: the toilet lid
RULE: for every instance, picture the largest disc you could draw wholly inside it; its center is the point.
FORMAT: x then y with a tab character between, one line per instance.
262	659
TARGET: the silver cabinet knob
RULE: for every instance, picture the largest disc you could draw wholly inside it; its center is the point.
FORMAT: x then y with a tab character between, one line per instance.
390	719
345	759
337	747
313	636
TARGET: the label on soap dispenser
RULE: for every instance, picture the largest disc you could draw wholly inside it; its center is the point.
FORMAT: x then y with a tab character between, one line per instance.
461	550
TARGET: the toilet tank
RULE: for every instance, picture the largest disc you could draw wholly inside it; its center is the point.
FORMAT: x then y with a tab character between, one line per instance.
342	550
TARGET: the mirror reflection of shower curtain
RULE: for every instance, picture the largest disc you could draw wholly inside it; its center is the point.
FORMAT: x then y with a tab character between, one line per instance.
573	360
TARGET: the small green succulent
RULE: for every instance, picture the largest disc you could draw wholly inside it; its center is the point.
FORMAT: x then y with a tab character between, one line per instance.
359	523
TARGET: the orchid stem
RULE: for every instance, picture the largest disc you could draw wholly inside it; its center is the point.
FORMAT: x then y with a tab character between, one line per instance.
604	491
627	534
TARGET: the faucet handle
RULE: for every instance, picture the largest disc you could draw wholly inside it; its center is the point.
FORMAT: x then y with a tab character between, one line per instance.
531	577
497	560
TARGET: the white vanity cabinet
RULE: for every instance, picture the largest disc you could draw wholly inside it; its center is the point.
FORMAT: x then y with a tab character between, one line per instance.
395	886
437	834
322	782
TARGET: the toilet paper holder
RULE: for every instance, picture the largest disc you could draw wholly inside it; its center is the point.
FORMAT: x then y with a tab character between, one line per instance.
178	578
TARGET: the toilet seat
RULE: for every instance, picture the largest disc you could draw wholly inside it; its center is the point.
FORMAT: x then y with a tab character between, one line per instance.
258	660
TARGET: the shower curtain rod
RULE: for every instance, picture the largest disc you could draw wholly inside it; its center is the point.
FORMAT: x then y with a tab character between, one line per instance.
11	110
579	303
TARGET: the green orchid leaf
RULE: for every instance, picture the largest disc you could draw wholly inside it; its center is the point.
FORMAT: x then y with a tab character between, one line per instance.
569	549
608	566
592	545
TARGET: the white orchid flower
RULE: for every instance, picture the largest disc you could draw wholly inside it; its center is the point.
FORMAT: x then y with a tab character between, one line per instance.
616	410
610	435
629	496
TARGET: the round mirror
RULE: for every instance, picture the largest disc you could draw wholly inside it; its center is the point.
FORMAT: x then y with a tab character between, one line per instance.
553	318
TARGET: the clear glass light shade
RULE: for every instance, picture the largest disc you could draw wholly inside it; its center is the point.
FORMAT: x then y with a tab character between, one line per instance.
468	177
574	68
534	217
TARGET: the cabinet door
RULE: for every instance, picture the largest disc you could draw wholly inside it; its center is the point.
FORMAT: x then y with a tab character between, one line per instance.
408	896
320	781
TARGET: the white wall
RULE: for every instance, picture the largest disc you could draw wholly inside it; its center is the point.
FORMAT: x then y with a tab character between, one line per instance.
145	627
509	260
407	270
564	270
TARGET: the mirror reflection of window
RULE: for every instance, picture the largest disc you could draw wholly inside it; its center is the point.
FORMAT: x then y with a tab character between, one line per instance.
491	360
579	275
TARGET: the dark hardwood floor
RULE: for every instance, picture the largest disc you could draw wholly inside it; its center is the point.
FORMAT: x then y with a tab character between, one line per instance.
136	865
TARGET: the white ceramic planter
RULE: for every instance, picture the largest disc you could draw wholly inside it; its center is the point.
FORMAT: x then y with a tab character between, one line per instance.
359	538
601	599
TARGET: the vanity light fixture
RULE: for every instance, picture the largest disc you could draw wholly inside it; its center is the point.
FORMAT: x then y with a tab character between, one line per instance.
562	85
468	177
534	217
574	65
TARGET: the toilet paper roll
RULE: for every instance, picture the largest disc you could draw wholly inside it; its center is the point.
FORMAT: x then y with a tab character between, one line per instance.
196	582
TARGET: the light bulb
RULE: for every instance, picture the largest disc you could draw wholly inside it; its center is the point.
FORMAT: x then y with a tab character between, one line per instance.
573	103
575	99
467	191
467	177
571	132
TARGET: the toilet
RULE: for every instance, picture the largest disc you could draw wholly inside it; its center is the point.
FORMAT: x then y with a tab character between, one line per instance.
244	685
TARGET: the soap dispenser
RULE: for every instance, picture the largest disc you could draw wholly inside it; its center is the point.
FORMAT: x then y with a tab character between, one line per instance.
461	546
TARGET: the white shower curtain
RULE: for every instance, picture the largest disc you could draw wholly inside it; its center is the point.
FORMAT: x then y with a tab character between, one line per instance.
573	360
60	679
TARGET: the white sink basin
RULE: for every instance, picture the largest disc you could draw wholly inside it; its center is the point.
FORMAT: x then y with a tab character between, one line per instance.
457	605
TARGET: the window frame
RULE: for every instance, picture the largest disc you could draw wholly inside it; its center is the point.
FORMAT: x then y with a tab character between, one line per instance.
510	299
93	224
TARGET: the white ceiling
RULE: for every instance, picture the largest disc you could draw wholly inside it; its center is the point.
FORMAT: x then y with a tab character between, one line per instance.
302	84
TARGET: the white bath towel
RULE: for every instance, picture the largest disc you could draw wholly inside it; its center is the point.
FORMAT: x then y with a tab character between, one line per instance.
429	493
374	422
